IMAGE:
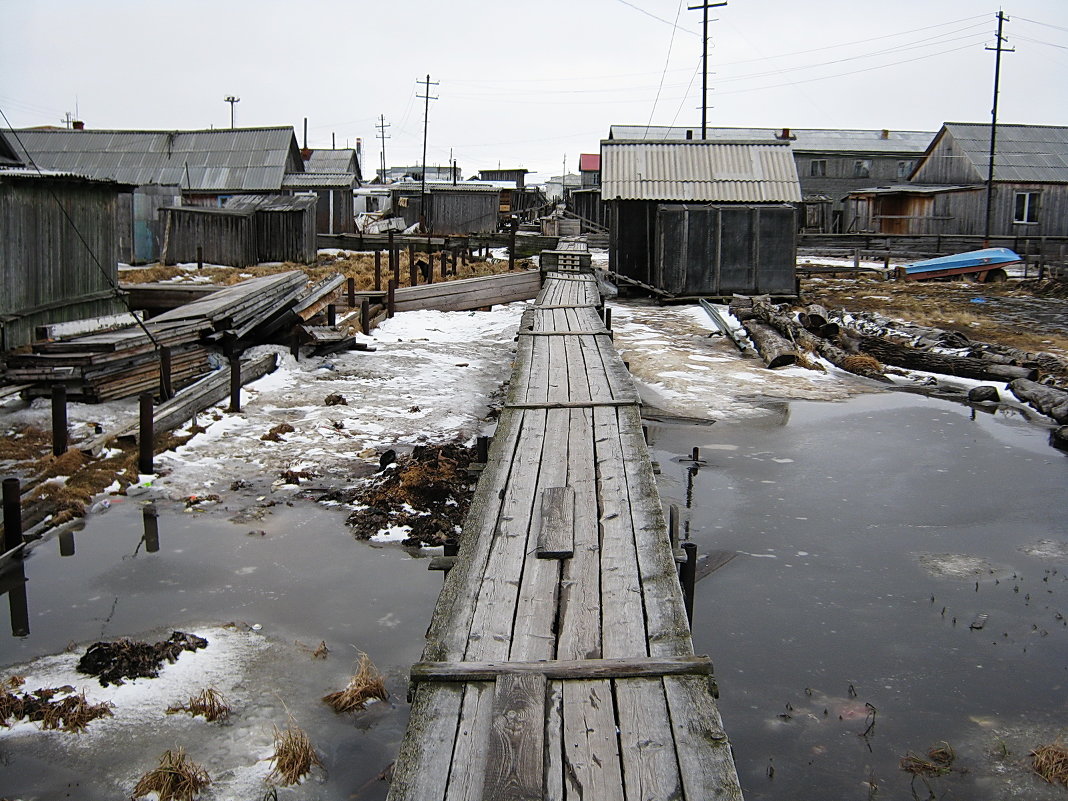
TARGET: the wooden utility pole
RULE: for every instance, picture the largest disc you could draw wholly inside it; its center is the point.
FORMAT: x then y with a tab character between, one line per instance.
1002	19
382	125
426	117
703	8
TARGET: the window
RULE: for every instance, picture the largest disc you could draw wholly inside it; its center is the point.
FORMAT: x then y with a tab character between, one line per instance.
862	168
904	169
1026	207
817	168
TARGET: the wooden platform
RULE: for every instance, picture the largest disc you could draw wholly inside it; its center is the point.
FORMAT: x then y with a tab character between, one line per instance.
559	663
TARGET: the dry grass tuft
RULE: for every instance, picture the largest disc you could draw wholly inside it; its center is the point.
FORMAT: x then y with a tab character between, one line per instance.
176	779
1051	763
294	757
366	684
72	713
938	763
321	651
809	363
209	703
861	363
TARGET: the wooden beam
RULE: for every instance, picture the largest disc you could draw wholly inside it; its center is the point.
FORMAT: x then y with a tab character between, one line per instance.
556	539
515	762
574	404
621	668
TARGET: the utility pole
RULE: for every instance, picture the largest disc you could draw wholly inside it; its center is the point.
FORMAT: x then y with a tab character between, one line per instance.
231	99
1002	19
381	126
426	119
705	5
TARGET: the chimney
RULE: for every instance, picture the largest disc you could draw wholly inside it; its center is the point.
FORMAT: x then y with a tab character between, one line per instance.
785	134
886	133
77	125
689	133
359	146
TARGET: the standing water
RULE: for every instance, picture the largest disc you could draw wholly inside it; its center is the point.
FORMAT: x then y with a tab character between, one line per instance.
898	587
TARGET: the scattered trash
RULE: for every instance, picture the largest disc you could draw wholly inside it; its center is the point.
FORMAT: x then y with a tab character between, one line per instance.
275	434
978	300
100	507
293	758
365	685
210	704
112	662
176	779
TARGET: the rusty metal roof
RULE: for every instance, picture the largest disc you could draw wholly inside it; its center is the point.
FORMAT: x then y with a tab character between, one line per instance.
693	170
1025	153
224	160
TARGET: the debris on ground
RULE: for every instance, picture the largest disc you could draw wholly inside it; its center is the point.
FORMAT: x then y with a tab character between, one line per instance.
366	684
209	704
1051	763
939	761
275	434
335	399
177	778
428	491
112	662
71	713
293	758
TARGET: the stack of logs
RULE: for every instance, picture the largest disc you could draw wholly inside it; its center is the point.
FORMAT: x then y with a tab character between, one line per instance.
778	334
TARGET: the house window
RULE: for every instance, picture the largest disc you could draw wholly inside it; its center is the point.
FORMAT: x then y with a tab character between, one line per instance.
862	168
904	169
1026	207
817	168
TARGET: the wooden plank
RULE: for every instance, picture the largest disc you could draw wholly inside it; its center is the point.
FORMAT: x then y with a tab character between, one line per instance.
576	404
426	750
465	774
706	763
515	763
556	538
591	749
564	333
554	669
554	742
646	742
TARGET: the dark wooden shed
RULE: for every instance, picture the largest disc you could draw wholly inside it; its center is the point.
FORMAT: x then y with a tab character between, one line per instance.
698	218
460	209
58	251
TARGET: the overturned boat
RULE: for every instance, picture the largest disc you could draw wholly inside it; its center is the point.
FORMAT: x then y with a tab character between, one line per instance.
986	265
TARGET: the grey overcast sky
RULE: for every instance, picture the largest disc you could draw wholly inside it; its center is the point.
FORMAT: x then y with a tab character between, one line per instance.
524	83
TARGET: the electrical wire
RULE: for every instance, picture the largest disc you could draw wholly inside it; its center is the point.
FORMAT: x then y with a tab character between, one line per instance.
641	10
1016	18
92	254
1039	41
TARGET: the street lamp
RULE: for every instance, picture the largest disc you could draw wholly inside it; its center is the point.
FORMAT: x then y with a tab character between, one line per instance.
231	99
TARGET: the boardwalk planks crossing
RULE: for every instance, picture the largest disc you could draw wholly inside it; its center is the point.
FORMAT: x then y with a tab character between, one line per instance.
559	663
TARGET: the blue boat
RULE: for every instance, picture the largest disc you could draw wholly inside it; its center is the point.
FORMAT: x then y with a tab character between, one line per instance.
985	265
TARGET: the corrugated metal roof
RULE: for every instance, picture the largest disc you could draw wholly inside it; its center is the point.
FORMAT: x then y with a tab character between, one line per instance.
319	180
334	161
28	173
802	140
225	160
1026	153
913	189
269	202
699	171
416	186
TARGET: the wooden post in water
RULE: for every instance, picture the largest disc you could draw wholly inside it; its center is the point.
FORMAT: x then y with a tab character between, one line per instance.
482	449
166	390
146	437
608	318
365	316
59	420
689	578
12	513
351	283
391	302
673	527
66	543
150	517
331	315
378	271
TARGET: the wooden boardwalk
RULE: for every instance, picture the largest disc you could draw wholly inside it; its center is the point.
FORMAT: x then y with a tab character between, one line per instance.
559	663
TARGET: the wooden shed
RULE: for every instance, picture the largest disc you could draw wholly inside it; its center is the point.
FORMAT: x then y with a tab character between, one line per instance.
702	218
249	230
58	251
463	208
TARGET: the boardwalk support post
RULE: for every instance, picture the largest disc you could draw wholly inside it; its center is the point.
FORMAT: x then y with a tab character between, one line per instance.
146	437
12	513
59	420
689	577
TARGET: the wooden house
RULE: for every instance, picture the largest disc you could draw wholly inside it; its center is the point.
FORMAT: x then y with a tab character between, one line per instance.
830	162
58	248
517	175
702	217
464	208
946	193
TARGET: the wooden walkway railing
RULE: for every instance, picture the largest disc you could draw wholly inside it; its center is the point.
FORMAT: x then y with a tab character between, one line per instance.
559	663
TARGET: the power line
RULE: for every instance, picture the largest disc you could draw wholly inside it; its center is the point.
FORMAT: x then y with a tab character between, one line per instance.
1043	24
641	10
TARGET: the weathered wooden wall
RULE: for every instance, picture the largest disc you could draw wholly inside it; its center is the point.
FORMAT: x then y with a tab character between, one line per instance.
223	236
47	274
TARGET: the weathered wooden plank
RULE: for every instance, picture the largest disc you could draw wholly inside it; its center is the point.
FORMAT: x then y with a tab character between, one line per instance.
554	742
576	404
467	767
557	669
591	749
556	537
515	763
704	752
646	741
426	750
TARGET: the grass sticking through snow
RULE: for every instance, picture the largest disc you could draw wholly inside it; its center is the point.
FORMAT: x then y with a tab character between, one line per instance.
1051	763
294	757
209	703
176	779
366	684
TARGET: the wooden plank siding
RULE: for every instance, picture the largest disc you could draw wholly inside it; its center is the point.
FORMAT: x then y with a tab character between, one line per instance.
50	272
571	677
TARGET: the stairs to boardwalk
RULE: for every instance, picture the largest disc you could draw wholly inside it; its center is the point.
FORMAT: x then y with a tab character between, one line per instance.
559	663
